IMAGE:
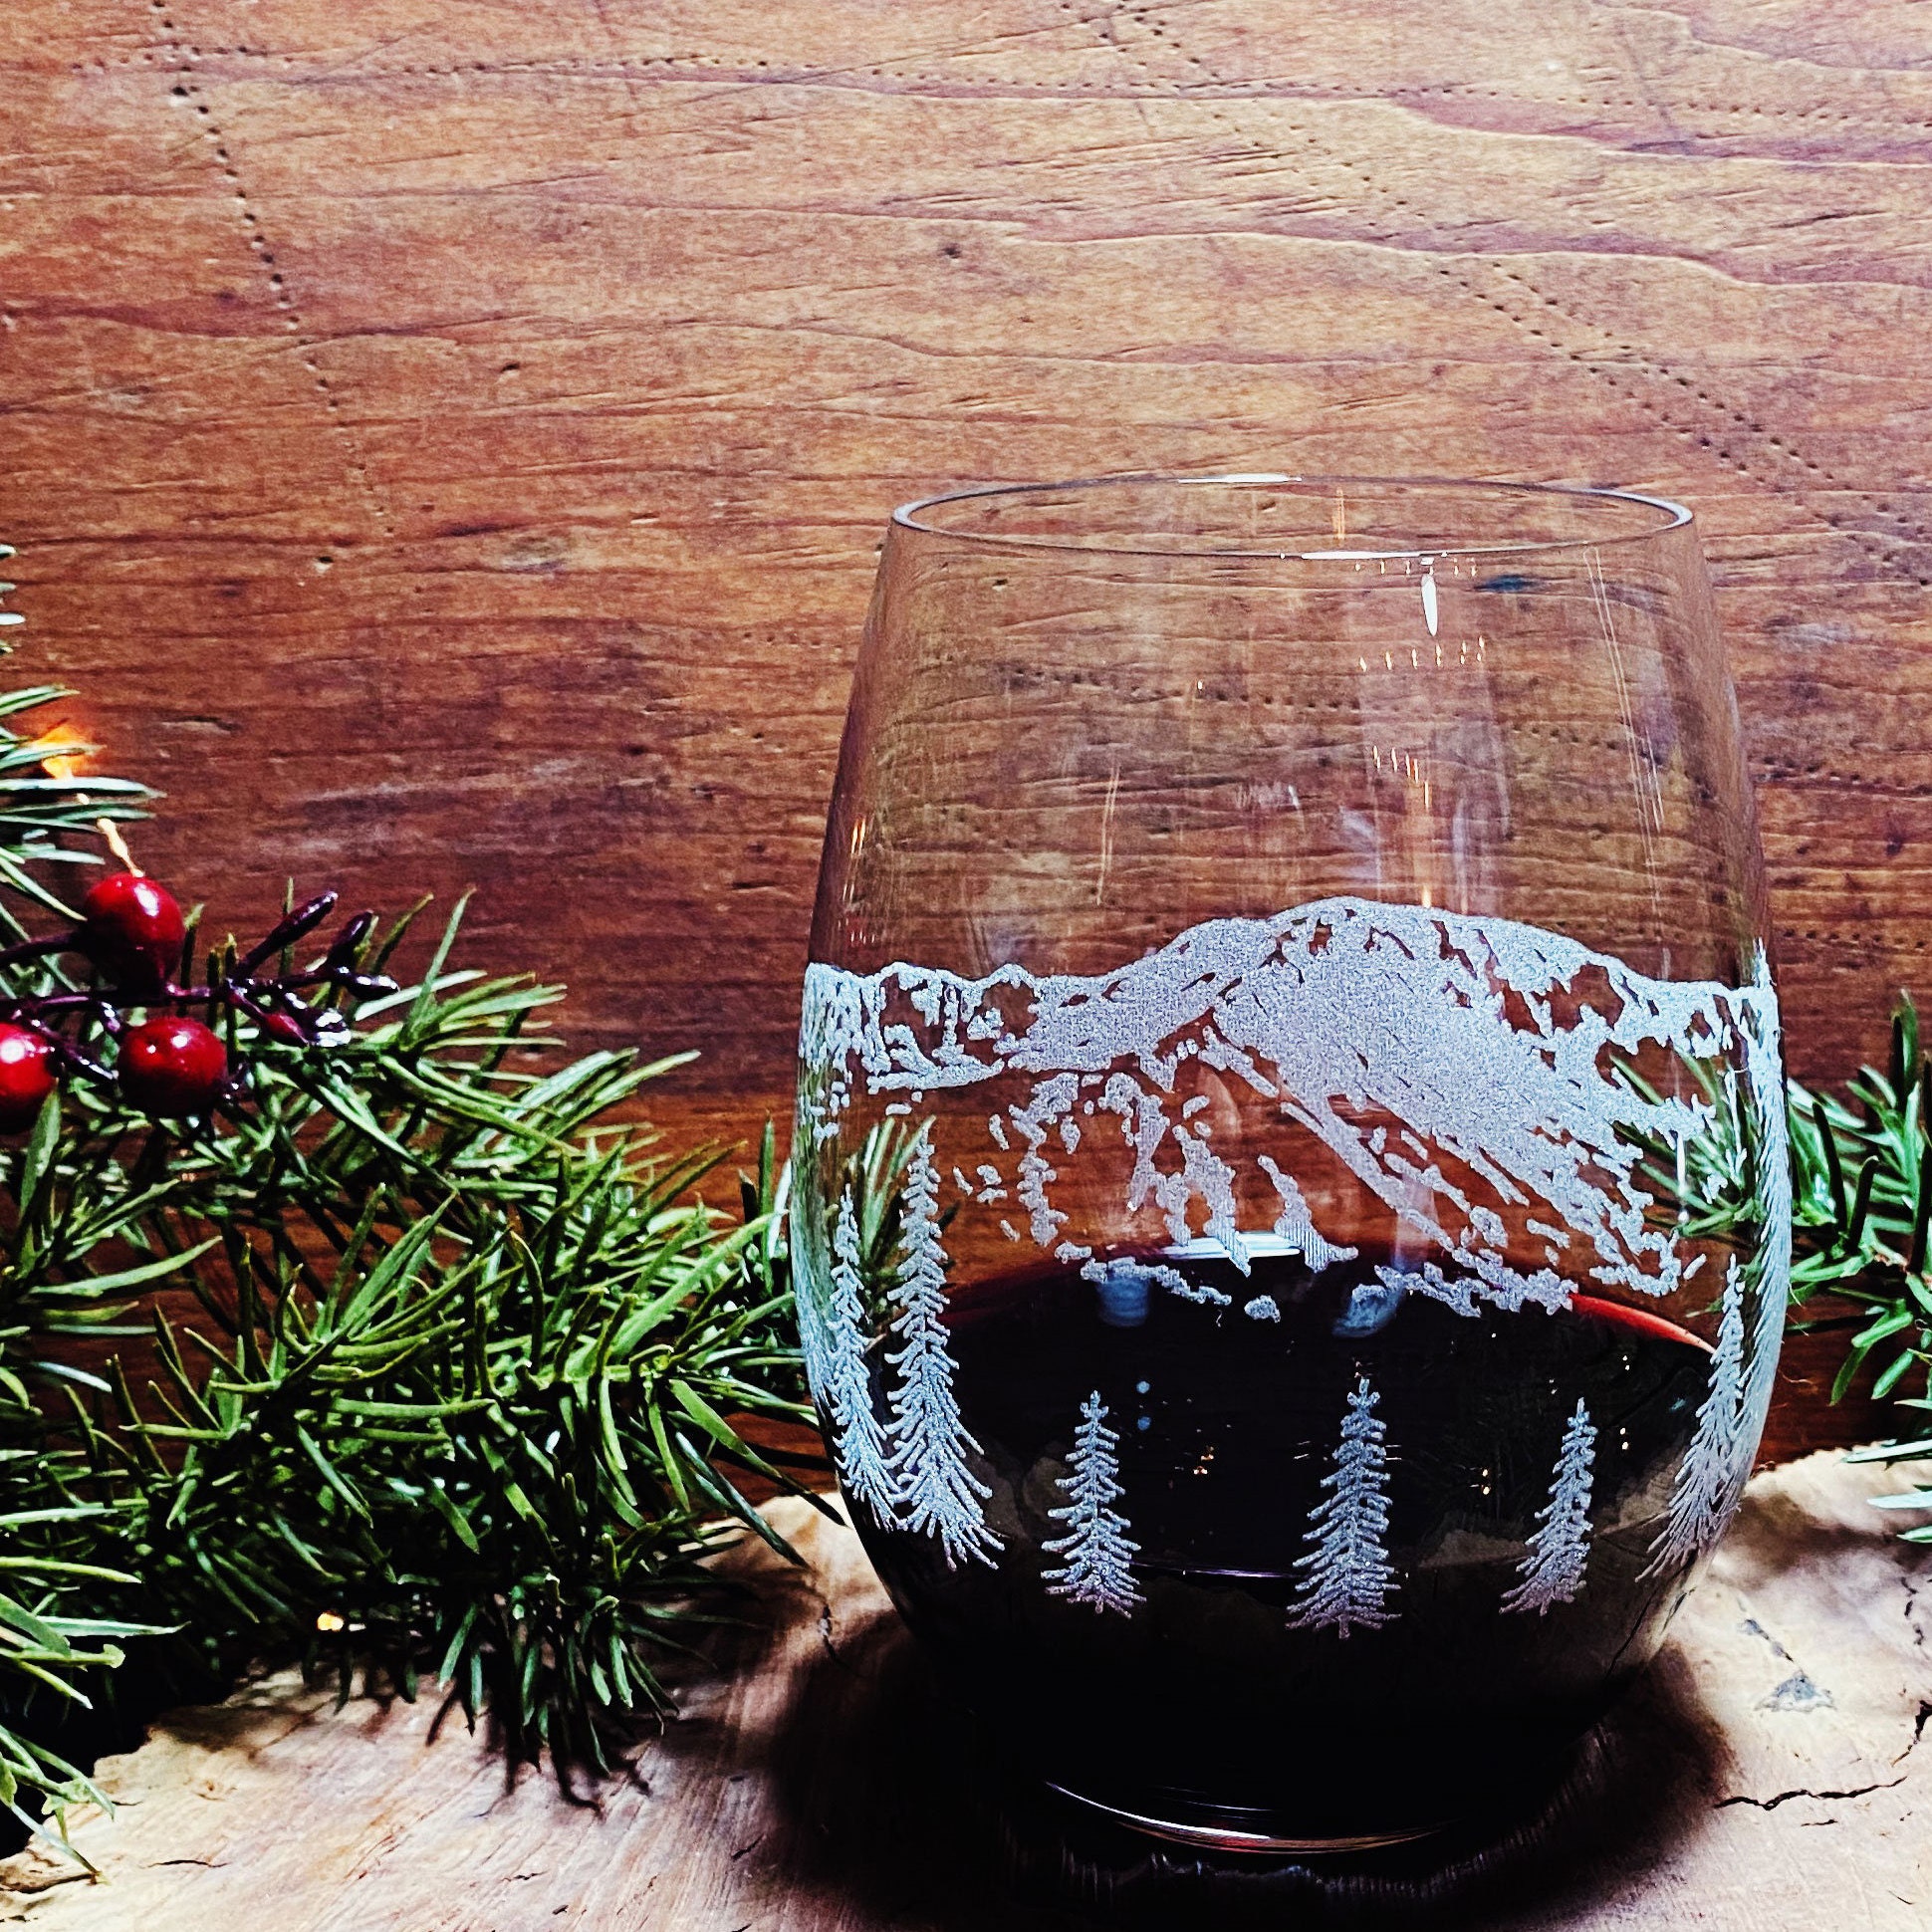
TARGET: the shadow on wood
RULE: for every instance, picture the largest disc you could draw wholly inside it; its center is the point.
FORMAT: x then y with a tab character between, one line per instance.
886	1791
817	1784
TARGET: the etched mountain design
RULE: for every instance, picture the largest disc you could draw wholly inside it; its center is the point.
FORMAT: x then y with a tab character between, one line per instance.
1463	1070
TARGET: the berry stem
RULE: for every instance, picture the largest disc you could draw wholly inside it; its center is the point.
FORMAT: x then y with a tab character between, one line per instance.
129	920
24	949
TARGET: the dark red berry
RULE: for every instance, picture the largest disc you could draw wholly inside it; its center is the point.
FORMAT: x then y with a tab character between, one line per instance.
26	1076
132	928
172	1067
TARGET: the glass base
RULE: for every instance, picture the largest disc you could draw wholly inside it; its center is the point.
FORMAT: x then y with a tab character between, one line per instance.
1136	1857
1347	1798
1220	1829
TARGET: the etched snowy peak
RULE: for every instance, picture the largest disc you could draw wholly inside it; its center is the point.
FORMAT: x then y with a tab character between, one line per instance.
1462	1068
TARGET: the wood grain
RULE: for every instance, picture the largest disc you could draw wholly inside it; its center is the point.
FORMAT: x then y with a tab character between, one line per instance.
1770	1770
447	438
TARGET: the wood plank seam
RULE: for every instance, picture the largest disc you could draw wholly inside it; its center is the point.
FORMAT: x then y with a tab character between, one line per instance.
1638	359
1911	532
1585	97
189	90
764	73
1606	372
1001	87
1649	365
1162	87
1779	771
1850	945
611	34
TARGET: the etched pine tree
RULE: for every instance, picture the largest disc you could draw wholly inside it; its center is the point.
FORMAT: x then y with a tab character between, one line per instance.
1349	1581
848	1387
1712	1474
1553	1570
933	1490
1098	1549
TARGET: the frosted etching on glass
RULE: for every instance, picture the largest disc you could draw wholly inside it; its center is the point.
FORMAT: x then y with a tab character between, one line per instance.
1766	1271
1716	1466
1293	1225
846	1382
1349	1580
1154	1274
1099	1552
936	1493
1487	1050
1552	1572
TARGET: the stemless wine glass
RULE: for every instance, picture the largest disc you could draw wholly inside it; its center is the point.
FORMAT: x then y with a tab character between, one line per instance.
1291	1218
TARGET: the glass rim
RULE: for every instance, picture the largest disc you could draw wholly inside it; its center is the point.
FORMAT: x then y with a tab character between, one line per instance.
1673	516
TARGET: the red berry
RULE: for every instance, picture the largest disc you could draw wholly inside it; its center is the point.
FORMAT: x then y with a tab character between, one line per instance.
132	928
26	1076
172	1067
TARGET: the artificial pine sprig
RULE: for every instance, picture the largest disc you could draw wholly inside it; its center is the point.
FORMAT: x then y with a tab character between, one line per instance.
457	1394
493	1447
47	1574
1862	1202
451	1372
1702	1187
1862	1199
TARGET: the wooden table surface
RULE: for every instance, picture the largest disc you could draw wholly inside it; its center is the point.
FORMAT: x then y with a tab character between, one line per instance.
1769	1775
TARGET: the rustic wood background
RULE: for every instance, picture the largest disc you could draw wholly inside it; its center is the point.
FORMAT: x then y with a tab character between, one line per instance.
447	438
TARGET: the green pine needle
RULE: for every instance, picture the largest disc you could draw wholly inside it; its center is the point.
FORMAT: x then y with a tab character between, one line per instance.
1861	1212
447	1383
1862	1198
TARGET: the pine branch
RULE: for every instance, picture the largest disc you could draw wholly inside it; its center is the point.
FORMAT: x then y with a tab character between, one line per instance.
460	1386
1861	1201
1861	1196
48	1647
